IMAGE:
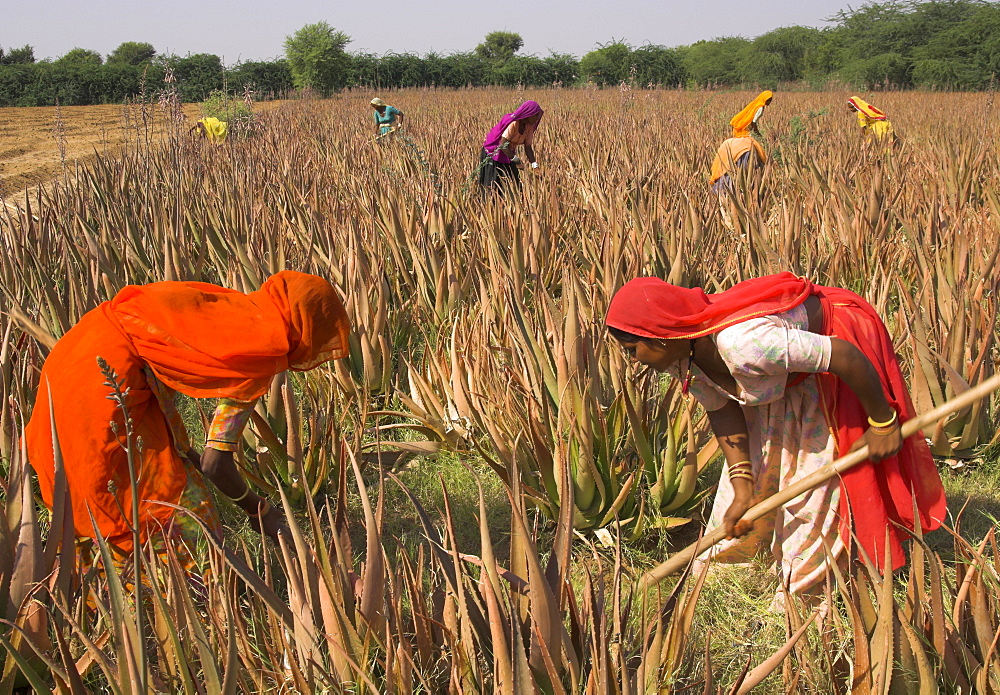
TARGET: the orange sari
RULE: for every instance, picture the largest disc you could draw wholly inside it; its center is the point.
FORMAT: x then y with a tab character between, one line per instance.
199	339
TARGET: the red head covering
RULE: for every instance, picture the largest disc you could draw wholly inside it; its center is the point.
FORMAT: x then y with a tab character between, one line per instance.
652	308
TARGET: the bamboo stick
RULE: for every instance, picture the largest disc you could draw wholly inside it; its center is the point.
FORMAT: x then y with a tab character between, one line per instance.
681	558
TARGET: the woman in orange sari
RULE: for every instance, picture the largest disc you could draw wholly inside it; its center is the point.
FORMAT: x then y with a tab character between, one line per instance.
793	375
164	338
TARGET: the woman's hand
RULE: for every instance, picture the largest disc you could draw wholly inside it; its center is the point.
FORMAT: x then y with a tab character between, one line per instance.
272	523
730	428
742	501
880	446
739	506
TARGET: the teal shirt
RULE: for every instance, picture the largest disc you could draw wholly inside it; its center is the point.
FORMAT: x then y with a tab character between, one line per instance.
386	119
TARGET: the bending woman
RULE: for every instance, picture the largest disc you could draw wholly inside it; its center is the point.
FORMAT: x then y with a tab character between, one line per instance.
498	161
193	338
784	398
873	123
741	149
388	119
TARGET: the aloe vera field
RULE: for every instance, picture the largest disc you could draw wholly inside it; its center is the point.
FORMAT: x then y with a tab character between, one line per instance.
474	493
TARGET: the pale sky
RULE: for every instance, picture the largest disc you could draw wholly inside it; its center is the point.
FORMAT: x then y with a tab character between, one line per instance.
256	30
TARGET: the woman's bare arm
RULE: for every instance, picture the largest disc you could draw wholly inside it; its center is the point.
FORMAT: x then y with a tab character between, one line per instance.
220	468
730	428
854	369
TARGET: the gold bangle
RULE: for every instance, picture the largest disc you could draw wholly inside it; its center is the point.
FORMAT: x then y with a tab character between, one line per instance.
244	495
884	430
739	464
741	474
888	423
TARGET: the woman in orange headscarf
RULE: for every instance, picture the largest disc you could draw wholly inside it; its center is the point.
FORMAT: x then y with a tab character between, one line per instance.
793	375
873	122
741	149
193	338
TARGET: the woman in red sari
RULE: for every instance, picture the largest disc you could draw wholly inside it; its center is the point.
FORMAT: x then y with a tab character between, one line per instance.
793	375
165	338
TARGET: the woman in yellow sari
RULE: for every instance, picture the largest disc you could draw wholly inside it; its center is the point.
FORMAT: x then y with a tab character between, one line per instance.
873	122
212	129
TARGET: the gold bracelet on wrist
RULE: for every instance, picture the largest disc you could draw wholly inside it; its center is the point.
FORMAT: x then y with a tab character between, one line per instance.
883	430
888	424
742	469
244	495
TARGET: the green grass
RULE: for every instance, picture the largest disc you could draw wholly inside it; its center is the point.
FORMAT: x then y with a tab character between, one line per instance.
974	493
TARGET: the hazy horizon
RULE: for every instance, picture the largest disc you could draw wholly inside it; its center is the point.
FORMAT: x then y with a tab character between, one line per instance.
227	29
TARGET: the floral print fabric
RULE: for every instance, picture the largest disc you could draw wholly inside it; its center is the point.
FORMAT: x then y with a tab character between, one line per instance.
790	438
230	419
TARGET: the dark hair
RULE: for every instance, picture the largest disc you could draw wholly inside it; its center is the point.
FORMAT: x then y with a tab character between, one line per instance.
625	336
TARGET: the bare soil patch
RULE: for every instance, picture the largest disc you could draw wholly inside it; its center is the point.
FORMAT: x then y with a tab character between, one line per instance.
37	144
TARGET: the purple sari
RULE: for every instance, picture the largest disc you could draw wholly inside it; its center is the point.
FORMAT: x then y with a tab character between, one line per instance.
492	142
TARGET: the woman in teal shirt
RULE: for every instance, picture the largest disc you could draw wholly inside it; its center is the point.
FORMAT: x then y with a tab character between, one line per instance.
387	118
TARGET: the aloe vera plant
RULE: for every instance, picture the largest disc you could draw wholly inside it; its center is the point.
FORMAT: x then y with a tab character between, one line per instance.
477	329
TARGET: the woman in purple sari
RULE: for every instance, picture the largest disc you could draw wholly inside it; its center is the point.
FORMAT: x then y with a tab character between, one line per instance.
498	162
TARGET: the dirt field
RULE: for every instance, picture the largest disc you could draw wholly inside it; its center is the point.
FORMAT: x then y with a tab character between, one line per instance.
30	138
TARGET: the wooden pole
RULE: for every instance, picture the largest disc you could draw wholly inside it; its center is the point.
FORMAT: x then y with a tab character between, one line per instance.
681	558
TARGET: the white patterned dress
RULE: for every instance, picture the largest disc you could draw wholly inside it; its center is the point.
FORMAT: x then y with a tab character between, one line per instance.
789	439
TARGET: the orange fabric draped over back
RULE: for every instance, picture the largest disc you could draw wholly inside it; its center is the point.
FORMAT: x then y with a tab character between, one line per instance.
199	339
730	152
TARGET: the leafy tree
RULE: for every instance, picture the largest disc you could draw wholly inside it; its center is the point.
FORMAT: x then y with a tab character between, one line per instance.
499	46
781	55
963	52
882	70
657	65
931	73
197	75
132	53
716	62
463	70
267	80
316	57
609	64
562	67
81	56
869	45
25	55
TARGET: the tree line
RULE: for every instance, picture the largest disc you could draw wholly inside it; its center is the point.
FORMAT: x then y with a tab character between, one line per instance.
944	44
